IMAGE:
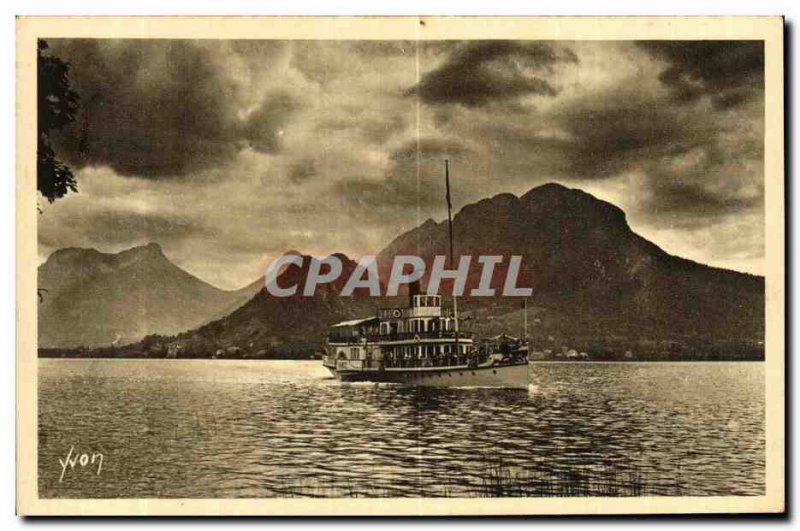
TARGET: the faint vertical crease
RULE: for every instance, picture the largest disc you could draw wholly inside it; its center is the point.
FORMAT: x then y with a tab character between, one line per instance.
419	247
419	171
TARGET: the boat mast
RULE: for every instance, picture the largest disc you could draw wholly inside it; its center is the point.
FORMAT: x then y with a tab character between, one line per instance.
450	232
525	320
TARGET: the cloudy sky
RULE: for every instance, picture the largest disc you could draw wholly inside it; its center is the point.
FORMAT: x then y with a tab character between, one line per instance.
228	153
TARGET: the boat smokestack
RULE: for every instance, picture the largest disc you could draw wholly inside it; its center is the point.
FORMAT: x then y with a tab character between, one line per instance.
414	288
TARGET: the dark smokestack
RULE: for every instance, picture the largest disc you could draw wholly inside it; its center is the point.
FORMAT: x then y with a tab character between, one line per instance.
413	289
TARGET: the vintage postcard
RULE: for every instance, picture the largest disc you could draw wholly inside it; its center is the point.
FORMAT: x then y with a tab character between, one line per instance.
400	266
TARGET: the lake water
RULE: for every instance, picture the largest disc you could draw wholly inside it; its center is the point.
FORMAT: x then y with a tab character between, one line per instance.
227	428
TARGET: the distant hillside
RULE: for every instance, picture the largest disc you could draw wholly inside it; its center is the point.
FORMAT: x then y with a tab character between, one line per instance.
267	325
591	271
95	299
595	283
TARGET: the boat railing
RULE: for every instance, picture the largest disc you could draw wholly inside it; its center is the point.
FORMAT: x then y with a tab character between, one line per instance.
443	361
437	362
405	311
357	365
435	334
399	336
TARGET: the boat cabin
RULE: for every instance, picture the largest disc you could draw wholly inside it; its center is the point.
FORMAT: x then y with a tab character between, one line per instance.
352	345
425	317
423	334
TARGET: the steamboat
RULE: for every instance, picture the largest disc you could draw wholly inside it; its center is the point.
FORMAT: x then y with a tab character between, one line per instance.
420	344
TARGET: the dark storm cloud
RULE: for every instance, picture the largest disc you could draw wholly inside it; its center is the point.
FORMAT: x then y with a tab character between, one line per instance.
640	125
414	178
690	163
481	72
608	137
416	175
682	198
262	128
105	228
302	170
729	72
602	136
161	108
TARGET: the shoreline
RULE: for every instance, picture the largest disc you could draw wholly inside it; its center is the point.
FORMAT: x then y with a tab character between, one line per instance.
536	362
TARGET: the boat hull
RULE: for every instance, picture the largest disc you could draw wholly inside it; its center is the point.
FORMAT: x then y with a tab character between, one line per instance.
513	376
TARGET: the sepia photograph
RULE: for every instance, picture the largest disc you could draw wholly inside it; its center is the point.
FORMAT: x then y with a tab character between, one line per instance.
444	263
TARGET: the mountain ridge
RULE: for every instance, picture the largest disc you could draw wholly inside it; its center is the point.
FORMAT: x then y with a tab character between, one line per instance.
582	259
90	298
593	279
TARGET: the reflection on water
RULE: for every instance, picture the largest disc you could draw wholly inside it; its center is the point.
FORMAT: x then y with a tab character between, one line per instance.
201	428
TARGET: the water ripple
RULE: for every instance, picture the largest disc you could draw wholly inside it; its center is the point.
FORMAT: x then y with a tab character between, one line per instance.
194	428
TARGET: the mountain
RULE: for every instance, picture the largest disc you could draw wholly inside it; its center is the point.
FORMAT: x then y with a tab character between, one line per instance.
590	271
596	285
291	326
89	298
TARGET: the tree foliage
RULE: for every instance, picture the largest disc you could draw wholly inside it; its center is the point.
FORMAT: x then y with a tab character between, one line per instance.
57	107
